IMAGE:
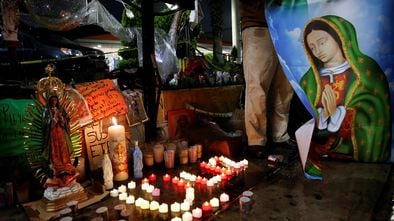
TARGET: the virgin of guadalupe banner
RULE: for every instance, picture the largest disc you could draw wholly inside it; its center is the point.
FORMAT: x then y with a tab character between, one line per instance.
338	57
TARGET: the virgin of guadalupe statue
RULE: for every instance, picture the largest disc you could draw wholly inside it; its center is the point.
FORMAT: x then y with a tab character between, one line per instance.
349	94
51	144
57	144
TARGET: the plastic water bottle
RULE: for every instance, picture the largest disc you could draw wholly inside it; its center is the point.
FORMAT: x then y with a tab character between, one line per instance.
137	159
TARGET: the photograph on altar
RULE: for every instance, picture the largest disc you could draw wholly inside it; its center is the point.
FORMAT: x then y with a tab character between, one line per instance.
342	75
179	121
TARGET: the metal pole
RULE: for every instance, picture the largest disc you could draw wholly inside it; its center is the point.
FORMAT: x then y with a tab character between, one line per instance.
235	29
149	80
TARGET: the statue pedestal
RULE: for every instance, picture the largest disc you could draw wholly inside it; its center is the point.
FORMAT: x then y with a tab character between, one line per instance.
45	209
54	205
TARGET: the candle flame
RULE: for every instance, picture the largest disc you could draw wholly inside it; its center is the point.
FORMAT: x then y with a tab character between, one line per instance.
114	122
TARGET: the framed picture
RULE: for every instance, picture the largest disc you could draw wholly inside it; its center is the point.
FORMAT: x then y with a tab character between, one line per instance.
179	121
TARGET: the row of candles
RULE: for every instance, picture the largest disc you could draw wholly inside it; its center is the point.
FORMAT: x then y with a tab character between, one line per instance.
175	207
223	168
206	208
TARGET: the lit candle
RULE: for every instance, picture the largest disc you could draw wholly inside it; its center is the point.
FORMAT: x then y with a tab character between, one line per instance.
224	198
131	185
144	186
190	190
145	180
130	199
190	196
245	162
114	193
138	202
156	192
204	181
214	202
163	208
206	207
145	204
122	189
185	206
122	196
187	216
150	189
203	164
175	180
175	207
152	178
223	177
188	184
154	205
198	179
197	213
176	219
117	151
181	183
217	169
166	177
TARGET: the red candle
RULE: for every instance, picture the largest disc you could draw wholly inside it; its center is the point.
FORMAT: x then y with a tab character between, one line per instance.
175	180
203	165
204	181
152	178
166	178
145	180
181	183
229	172
217	169
206	207
223	170
223	176
198	179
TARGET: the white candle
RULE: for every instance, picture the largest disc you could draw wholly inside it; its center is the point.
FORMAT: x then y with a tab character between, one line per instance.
224	198
154	205
246	162
190	190
122	196
117	151
130	199
190	196
113	193
176	219
131	185
144	186
145	204
175	207
185	206
138	202
187	216
197	213
150	189
122	189
163	208
214	202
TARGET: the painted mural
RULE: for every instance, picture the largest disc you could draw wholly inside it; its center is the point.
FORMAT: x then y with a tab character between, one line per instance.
338	57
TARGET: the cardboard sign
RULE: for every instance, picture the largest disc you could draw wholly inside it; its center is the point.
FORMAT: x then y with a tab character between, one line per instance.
103	98
96	142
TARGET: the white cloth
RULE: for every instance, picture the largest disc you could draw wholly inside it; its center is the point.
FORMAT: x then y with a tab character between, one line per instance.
268	92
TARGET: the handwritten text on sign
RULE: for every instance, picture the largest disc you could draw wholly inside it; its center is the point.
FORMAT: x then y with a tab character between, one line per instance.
104	99
96	143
